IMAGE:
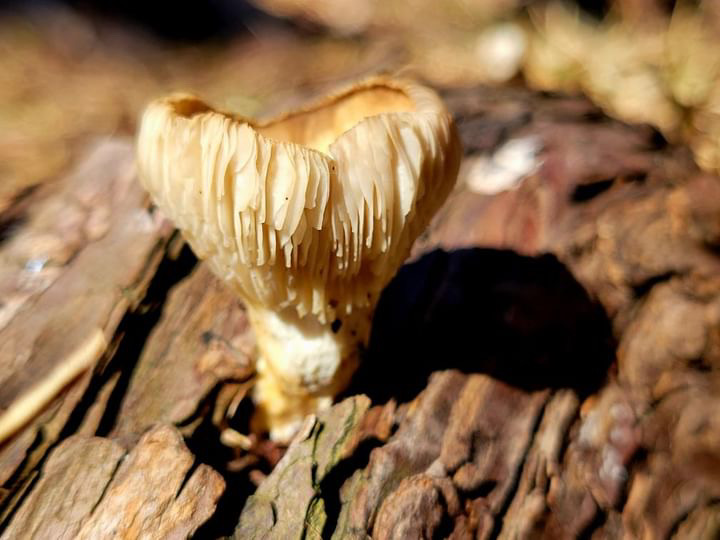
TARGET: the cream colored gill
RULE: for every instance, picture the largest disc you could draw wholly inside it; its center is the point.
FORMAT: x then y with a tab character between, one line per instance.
286	224
317	127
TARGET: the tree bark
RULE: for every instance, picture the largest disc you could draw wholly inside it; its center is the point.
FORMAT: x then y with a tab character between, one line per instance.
545	365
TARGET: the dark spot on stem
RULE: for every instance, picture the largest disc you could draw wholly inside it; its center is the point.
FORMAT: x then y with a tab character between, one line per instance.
336	325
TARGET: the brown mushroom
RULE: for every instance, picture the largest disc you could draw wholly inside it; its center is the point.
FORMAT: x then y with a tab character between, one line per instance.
307	217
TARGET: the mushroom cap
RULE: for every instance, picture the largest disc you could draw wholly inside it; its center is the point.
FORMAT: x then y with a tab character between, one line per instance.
314	210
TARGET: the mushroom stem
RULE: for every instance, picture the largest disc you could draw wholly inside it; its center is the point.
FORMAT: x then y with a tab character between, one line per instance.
302	364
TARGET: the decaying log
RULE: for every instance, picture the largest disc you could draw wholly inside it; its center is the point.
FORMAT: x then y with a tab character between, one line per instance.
320	445
561	441
545	366
92	488
81	256
202	338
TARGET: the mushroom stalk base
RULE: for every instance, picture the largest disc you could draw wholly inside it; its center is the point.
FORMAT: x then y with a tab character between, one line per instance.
302	364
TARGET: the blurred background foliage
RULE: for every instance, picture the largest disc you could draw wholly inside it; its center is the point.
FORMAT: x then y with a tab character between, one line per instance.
81	68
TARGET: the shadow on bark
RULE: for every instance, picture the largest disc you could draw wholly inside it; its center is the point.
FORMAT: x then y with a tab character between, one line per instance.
523	320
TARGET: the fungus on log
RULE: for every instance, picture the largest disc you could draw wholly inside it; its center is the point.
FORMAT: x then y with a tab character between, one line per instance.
307	216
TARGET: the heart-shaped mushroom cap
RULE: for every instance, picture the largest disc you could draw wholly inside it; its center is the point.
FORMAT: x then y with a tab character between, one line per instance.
314	210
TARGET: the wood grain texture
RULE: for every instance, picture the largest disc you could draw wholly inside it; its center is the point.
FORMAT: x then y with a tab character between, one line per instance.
93	488
80	258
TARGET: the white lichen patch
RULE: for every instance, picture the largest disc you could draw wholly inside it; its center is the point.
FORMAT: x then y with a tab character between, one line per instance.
503	170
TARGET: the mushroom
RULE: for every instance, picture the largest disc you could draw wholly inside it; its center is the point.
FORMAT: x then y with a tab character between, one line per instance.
306	216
